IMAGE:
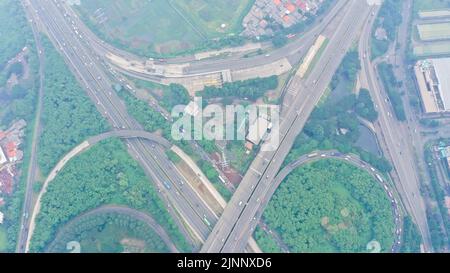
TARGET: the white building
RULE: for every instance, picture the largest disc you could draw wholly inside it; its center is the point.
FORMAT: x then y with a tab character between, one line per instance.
3	158
1	217
257	130
442	69
192	109
433	81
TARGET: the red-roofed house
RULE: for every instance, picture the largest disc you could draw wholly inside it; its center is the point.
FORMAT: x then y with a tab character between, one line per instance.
11	151
277	2
290	7
286	19
302	5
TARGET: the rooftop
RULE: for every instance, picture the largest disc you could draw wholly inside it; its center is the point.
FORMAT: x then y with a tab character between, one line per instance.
442	68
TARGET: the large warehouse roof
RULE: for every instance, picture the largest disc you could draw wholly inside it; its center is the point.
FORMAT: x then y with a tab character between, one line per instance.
442	68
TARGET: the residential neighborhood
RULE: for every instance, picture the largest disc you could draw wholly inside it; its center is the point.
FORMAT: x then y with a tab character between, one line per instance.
10	155
266	16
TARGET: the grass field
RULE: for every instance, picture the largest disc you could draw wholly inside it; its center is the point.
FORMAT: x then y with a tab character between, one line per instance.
432	32
211	14
441	48
161	26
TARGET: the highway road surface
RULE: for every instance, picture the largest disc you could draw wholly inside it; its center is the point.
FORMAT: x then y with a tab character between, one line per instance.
182	201
301	97
394	139
293	51
351	159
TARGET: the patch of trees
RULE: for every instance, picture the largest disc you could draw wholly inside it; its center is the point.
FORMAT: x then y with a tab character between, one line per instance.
175	95
251	89
438	218
392	86
143	113
266	241
331	206
347	71
68	115
365	107
437	234
213	176
389	18
103	232
411	239
15	32
105	174
335	124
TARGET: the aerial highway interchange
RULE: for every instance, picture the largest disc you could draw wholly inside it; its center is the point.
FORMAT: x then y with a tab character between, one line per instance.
346	24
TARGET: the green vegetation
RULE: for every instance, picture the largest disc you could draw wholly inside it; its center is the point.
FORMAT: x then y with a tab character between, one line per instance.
109	233
439	239
266	242
411	237
347	71
166	28
251	89
16	103
391	86
105	174
365	107
68	117
15	32
389	18
238	157
213	176
3	240
19	102
438	218
334	124
173	156
152	121
211	15
143	113
331	206
175	95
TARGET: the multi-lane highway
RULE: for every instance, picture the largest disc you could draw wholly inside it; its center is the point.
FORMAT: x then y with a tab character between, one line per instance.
86	67
301	97
293	51
351	159
395	141
84	53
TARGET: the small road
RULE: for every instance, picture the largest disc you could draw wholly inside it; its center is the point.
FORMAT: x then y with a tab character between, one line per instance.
234	226
136	214
32	168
